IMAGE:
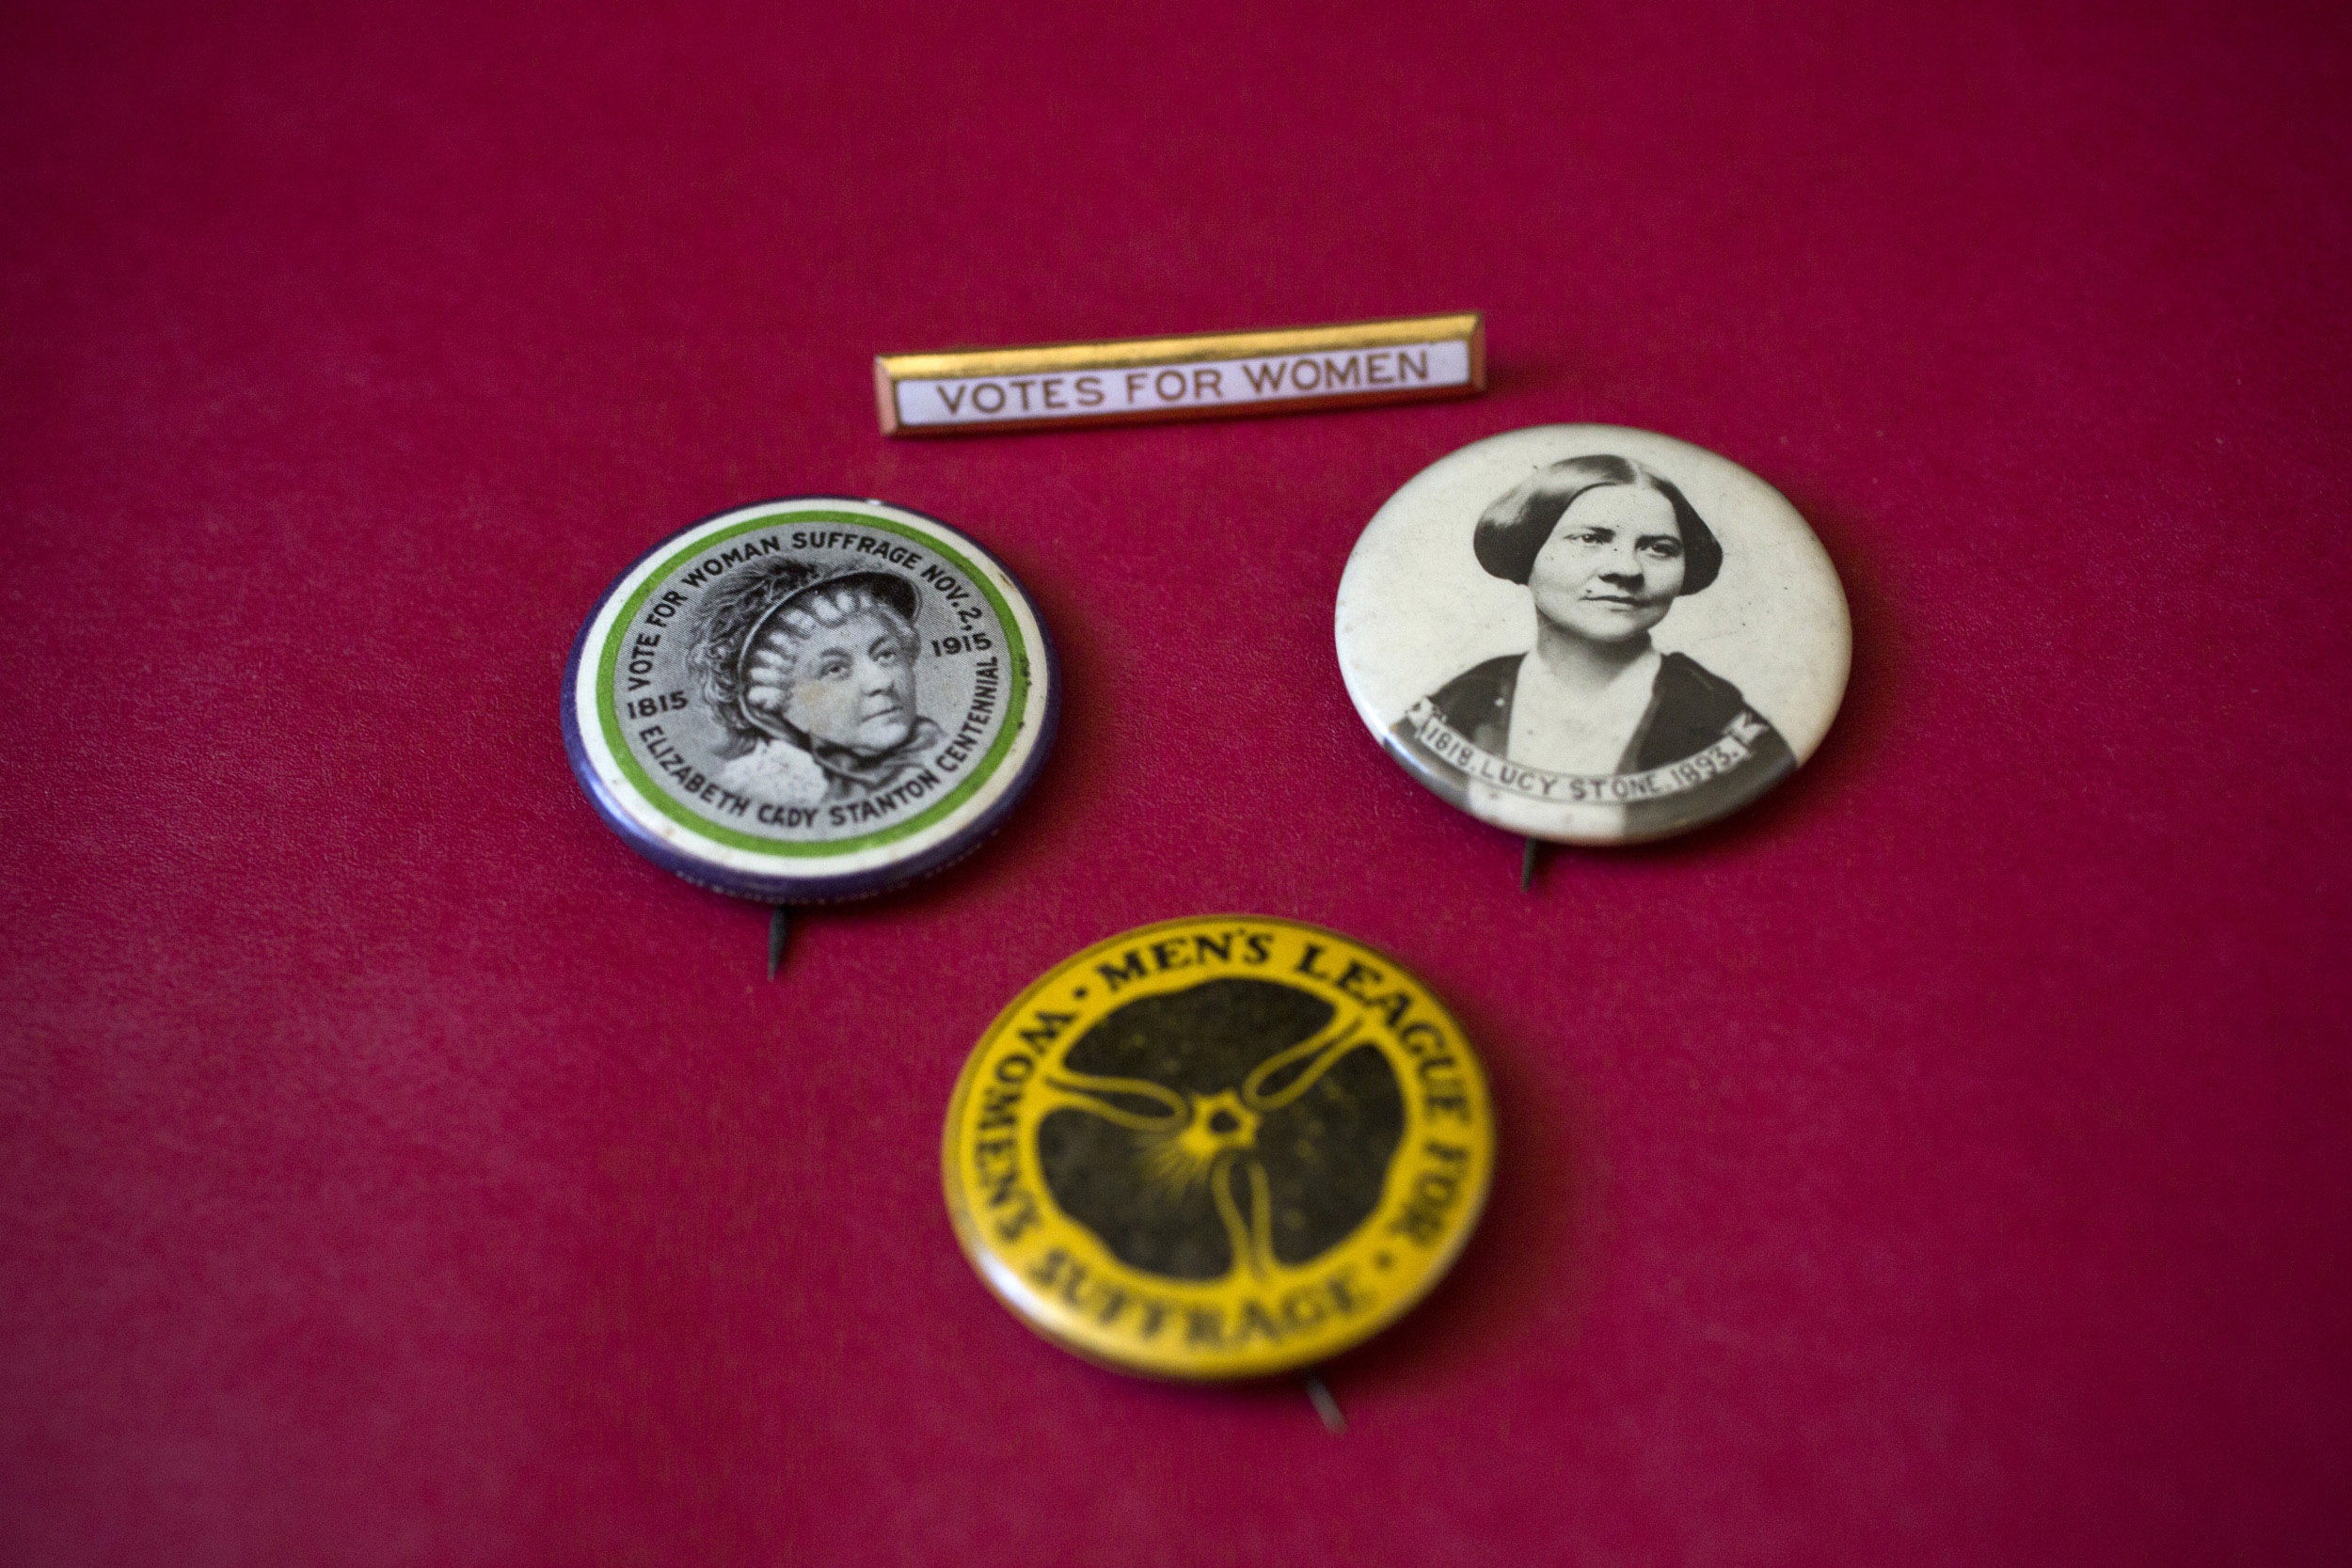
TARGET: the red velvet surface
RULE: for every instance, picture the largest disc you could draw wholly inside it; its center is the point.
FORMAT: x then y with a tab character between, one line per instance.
1944	1162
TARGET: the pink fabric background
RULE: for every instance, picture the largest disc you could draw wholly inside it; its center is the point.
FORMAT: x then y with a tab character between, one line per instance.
1943	1163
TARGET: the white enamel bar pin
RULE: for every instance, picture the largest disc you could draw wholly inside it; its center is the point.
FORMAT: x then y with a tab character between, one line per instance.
1201	375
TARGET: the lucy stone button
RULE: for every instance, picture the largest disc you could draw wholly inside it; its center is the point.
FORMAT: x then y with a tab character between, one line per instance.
1592	635
809	699
1219	1148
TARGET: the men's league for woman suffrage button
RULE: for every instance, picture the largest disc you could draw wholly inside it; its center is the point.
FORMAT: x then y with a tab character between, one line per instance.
1219	1148
809	700
1592	635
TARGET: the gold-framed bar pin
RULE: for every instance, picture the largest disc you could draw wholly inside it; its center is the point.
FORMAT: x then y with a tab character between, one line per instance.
1199	375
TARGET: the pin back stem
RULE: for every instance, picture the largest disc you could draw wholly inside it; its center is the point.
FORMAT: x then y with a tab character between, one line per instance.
779	927
1325	1406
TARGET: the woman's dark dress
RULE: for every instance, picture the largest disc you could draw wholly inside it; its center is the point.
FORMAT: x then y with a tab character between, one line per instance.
1690	710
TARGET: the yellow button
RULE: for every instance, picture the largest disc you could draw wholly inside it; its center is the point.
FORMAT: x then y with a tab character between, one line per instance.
1219	1148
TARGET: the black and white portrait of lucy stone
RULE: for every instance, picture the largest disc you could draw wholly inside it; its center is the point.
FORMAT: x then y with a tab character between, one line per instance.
1597	724
810	673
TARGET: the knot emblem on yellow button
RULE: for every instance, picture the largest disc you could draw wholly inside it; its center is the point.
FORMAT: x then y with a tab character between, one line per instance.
1219	1148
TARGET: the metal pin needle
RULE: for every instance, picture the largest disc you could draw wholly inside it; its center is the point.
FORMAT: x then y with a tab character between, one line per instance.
1325	1406
779	927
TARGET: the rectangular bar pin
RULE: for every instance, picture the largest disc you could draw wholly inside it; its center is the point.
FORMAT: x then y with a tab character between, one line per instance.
1199	375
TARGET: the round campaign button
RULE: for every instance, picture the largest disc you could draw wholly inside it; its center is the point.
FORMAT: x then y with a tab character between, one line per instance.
809	699
1592	635
1219	1148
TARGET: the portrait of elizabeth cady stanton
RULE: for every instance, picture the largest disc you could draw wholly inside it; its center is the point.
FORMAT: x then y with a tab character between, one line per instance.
1604	546
810	673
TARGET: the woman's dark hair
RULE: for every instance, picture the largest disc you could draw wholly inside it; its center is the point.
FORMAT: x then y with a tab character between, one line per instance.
1513	530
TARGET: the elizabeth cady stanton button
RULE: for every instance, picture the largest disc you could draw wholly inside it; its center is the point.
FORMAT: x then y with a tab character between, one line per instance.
1219	1148
1592	635
809	699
